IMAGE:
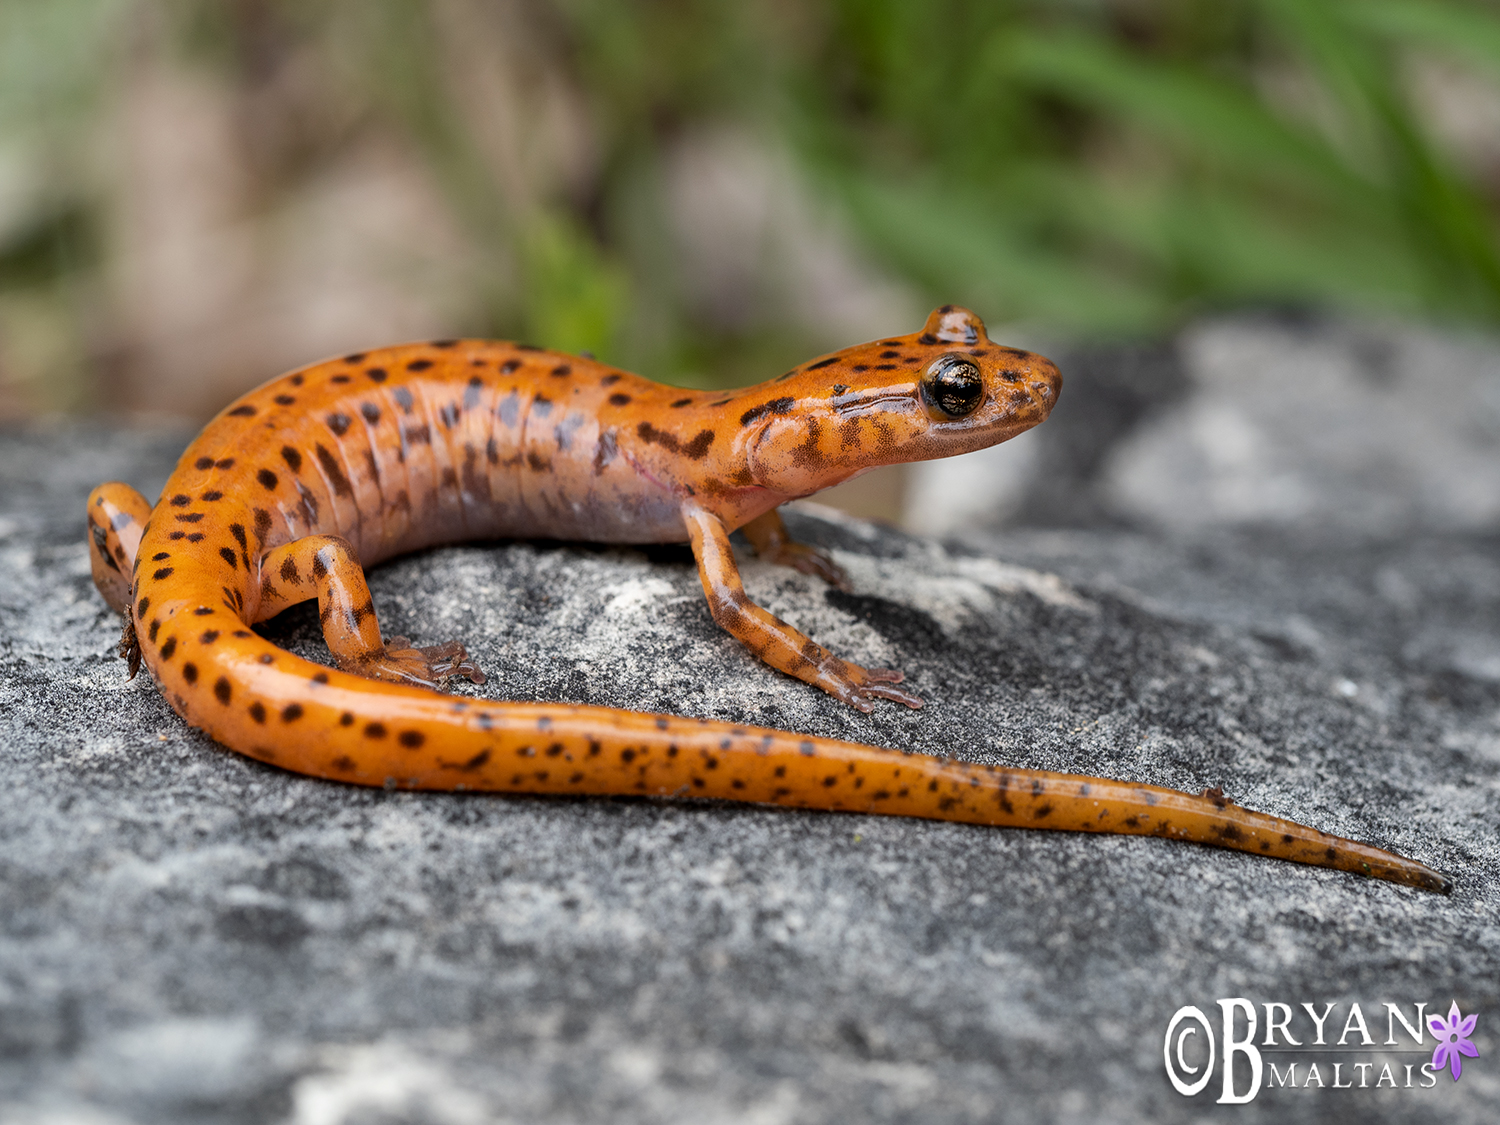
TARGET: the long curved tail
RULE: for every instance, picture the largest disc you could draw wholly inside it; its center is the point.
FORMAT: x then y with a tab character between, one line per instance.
318	721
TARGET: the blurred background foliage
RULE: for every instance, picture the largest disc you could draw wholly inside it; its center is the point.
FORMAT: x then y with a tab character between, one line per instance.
196	194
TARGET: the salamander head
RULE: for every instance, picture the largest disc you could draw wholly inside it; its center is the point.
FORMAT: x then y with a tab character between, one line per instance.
935	393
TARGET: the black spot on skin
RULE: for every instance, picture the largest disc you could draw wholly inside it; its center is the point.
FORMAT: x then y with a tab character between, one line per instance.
411	739
267	479
334	471
1331	855
419	365
375	730
164	572
209	637
509	365
606	451
619	399
161	555
289	570
652	436
284	400
885	367
354	357
262	523
258	711
698	447
141	607
492	451
203	463
291	712
378	374
246	411
346	719
170	535
449	415
444	343
265	657
222	690
151	633
195	537
228	555
181	500
927	338
861	367
1286	838
338	423
168	648
682	402
212	495
370	412
562	369
775	406
538	462
822	363
889	355
343	763
339	379
416	434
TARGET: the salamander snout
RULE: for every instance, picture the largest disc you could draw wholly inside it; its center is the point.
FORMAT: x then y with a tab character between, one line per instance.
1044	381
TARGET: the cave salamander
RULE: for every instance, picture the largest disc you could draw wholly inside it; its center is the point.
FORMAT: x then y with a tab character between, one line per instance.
299	485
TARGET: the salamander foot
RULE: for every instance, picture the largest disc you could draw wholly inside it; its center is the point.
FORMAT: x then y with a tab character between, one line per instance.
430	667
860	687
809	560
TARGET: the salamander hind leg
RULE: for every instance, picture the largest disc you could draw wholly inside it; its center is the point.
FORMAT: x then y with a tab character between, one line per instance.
325	567
117	516
771	638
768	535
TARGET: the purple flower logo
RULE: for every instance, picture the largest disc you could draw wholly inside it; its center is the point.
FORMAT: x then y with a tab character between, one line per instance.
1452	1035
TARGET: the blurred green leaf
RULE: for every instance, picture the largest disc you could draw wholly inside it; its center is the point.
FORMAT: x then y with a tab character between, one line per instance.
1471	32
575	298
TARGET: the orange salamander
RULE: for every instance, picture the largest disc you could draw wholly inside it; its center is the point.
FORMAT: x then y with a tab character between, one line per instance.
290	492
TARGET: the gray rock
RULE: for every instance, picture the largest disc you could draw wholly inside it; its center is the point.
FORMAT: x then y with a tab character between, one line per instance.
190	936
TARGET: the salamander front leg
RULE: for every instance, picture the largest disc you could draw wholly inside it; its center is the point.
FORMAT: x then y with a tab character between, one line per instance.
768	535
325	567
771	638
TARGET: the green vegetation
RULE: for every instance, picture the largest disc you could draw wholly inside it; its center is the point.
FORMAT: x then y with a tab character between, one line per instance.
1087	166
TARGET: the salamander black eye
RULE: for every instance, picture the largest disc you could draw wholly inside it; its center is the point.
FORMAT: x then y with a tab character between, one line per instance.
952	386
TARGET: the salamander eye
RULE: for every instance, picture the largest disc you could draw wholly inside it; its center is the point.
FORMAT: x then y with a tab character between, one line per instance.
953	386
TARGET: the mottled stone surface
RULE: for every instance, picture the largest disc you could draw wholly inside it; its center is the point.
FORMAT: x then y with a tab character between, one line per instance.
189	936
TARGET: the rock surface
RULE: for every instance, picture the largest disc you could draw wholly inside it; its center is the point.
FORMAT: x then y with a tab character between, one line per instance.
190	936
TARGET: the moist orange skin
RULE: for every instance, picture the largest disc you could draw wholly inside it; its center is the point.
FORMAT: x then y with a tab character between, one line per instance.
298	485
